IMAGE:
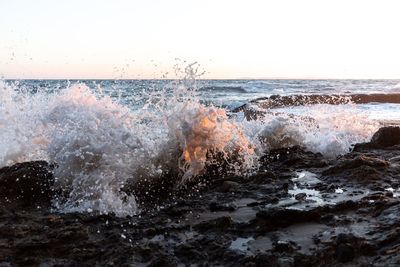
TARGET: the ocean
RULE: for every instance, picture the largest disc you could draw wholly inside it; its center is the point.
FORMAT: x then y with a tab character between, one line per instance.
102	133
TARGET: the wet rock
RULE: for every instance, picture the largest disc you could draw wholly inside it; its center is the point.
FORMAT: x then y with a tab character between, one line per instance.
344	252
222	223
165	260
365	163
300	196
285	262
277	231
263	177
215	206
229	186
285	246
28	182
263	201
294	157
385	137
349	246
389	194
279	217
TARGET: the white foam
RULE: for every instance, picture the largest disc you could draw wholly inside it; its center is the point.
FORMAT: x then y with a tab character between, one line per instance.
99	144
327	129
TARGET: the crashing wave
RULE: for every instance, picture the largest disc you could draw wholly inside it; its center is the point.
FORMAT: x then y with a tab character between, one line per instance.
99	144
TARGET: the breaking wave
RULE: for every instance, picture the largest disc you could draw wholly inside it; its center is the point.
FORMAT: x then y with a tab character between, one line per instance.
99	144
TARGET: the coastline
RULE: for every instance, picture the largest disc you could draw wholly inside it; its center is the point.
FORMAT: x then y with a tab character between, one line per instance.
299	209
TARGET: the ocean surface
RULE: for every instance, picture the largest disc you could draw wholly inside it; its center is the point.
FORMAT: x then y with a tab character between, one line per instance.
102	133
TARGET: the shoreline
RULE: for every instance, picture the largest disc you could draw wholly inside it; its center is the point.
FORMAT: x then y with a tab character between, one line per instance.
299	209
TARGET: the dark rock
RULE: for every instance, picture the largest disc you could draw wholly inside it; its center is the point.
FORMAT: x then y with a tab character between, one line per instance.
263	177
279	101
222	223
300	196
279	217
164	261
185	231
345	247
345	238
286	262
359	161
229	186
344	252
285	246
385	137
263	201
28	182
215	206
293	157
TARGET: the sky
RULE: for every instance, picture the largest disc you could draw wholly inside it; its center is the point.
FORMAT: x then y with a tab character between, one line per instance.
98	39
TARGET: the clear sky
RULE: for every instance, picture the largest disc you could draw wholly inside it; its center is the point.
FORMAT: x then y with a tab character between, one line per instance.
229	38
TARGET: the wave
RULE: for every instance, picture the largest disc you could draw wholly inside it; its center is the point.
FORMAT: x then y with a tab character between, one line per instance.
231	89
100	145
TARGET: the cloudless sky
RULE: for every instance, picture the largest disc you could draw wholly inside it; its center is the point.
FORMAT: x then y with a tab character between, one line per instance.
229	38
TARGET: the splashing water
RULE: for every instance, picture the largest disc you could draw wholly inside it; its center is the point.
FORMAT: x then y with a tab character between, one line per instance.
98	144
330	130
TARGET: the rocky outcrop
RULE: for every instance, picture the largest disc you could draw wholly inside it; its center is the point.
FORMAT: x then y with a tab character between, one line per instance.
357	163
279	101
297	210
385	137
28	183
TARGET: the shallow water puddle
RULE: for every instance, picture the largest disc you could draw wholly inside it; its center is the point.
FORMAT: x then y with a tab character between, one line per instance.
302	195
241	244
302	184
311	194
306	178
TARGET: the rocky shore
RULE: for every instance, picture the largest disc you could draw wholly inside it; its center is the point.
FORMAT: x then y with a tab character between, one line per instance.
299	209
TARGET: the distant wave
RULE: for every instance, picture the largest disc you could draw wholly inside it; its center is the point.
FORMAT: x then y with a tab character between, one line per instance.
233	89
278	101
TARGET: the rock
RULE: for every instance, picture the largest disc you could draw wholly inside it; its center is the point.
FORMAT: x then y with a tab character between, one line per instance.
221	223
345	243
279	101
215	206
29	182
385	137
285	246
280	217
166	261
300	196
344	252
285	262
263	177
229	186
357	162
267	228
294	157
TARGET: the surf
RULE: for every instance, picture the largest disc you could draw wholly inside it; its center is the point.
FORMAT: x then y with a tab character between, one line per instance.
100	145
